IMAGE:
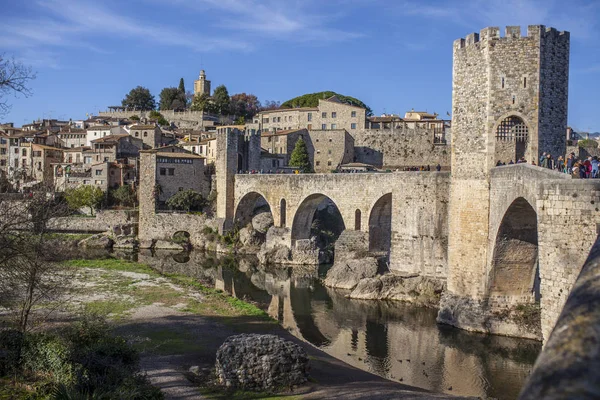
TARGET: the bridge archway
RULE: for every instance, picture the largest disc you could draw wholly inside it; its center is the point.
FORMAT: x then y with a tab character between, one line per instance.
250	205
302	226
380	225
514	275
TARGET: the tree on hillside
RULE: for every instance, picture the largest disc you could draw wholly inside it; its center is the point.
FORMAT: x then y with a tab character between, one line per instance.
124	195
14	78
312	100
84	196
221	100
172	99
244	105
300	158
181	86
270	105
139	98
203	102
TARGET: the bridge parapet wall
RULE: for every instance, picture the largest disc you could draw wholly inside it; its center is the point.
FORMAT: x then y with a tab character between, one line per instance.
419	208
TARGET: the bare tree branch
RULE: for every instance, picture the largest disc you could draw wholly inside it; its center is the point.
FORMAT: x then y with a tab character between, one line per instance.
14	79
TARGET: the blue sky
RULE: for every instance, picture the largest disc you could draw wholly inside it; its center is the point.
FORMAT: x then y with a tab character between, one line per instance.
392	54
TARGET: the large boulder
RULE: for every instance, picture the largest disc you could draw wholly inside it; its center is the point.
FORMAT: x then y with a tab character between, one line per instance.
260	362
274	255
99	241
262	222
251	238
346	274
411	288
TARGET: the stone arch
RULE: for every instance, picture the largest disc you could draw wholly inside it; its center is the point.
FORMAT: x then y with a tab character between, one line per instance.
514	275
303	218
247	207
512	135
181	236
380	225
282	213
357	219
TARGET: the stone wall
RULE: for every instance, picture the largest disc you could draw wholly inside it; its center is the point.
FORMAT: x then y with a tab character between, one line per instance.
183	119
397	148
103	221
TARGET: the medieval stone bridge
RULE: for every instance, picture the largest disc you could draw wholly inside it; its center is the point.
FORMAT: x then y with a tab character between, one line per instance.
541	226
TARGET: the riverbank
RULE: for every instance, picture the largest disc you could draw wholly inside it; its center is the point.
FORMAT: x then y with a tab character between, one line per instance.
177	323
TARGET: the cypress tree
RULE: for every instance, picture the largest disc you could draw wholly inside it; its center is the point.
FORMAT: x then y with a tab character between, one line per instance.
181	86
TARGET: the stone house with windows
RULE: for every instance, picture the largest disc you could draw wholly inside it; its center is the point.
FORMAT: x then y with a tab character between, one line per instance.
4	140
175	169
122	148
328	149
281	144
151	135
100	131
111	175
72	137
331	113
42	160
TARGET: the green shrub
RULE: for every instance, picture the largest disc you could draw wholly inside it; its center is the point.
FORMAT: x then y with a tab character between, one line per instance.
47	355
207	230
587	143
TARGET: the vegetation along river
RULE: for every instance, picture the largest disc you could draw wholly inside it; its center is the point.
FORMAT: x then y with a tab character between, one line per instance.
395	340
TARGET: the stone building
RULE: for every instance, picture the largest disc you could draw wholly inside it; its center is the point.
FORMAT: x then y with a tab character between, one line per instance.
100	131
281	144
111	175
72	137
151	135
331	113
173	169
123	148
42	159
202	85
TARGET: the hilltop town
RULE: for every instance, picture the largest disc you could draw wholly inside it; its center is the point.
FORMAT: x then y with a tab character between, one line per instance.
104	150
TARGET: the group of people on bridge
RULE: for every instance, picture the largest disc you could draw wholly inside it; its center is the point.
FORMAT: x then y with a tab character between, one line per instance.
579	169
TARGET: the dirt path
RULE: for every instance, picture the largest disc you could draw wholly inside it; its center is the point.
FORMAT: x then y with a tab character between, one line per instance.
176	327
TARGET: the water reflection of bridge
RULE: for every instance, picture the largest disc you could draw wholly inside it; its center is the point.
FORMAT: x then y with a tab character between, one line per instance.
377	336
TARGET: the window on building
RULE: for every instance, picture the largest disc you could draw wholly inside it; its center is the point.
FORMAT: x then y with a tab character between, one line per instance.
317	163
333	126
525	82
105	159
265	120
330	140
334	115
97	158
502	82
329	163
353	114
318	151
98	172
171	171
24	152
323	115
324	126
16	163
145	134
309	117
309	126
352	126
72	145
514	98
3	163
163	171
17	151
2	151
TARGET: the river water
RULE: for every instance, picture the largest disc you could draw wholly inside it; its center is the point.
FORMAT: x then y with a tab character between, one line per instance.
395	340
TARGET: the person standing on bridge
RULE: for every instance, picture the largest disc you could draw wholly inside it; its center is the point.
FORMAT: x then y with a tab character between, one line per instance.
595	167
570	163
560	164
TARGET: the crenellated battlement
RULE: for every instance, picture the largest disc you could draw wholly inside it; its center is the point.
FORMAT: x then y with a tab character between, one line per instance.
510	33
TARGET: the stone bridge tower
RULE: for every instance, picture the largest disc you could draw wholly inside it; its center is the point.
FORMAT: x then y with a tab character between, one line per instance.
236	151
509	100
